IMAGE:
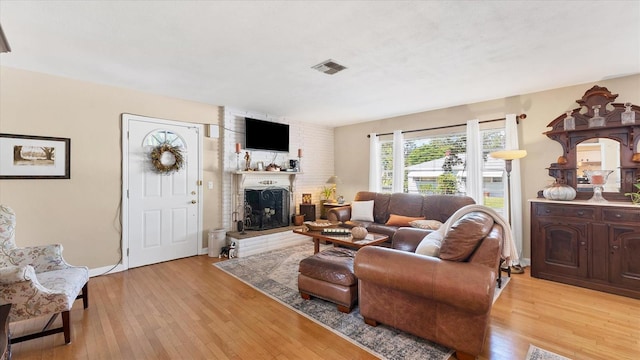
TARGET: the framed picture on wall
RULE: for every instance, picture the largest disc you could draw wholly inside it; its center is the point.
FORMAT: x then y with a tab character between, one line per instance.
34	157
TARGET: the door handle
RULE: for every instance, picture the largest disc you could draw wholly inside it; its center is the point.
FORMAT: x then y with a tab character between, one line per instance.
193	201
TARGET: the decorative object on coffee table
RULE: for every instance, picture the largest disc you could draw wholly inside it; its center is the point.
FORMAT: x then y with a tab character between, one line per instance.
359	232
319	225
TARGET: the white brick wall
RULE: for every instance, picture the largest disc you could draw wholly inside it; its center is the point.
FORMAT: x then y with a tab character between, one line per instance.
317	163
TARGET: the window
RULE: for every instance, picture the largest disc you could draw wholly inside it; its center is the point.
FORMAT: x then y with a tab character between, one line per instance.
160	137
436	164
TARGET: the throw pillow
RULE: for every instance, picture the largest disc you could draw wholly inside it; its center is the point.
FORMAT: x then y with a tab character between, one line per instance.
430	244
362	210
465	235
426	224
399	220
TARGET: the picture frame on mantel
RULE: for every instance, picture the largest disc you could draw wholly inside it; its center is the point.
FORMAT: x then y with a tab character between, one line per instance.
34	157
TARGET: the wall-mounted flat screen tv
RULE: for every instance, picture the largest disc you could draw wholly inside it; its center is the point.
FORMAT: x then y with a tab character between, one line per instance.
266	135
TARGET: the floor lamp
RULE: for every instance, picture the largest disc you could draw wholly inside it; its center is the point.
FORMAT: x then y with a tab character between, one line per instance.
508	156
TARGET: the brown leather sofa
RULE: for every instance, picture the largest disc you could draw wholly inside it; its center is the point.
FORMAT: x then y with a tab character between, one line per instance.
431	207
445	301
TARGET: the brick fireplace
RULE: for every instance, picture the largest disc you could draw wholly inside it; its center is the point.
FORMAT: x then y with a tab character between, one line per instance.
266	208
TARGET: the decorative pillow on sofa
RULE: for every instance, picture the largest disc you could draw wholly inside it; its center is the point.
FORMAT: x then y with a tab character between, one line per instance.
399	220
465	235
362	210
426	224
430	244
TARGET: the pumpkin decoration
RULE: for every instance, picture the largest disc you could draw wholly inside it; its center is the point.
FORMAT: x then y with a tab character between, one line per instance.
558	191
359	232
562	160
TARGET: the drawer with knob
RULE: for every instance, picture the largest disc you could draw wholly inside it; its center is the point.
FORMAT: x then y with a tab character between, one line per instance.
589	213
621	215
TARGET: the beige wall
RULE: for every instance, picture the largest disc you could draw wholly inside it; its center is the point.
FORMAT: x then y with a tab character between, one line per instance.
83	213
541	108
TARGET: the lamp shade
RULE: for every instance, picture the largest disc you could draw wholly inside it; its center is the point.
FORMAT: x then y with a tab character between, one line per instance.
333	180
508	154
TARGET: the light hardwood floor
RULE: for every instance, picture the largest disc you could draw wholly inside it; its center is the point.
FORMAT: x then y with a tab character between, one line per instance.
189	309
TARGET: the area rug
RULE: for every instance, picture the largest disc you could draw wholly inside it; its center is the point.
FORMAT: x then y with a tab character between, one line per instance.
536	353
275	274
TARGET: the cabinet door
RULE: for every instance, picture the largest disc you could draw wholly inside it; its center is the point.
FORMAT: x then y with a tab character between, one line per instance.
624	256
563	247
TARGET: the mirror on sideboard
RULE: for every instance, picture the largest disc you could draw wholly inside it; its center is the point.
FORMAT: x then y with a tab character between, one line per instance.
598	135
598	154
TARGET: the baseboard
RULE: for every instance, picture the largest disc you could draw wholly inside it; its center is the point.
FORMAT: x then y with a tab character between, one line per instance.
106	270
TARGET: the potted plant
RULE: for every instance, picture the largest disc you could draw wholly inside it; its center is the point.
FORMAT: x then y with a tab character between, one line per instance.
635	197
326	192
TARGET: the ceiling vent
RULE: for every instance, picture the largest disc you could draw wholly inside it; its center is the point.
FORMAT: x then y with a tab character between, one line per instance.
329	67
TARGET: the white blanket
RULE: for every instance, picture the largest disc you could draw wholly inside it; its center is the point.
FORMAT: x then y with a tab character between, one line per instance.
509	250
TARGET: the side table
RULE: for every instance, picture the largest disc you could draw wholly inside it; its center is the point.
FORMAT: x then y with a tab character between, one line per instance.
309	211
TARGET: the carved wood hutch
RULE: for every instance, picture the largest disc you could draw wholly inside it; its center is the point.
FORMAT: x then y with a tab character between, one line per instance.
591	244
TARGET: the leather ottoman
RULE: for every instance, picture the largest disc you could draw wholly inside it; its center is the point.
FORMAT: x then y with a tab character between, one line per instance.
329	275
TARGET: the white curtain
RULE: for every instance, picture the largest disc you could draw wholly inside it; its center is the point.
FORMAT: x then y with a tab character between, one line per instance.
398	161
515	208
474	161
374	163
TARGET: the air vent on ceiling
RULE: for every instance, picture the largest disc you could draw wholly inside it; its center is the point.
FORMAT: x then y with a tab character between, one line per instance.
329	67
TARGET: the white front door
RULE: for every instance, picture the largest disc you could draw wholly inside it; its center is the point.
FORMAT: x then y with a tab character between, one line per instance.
161	210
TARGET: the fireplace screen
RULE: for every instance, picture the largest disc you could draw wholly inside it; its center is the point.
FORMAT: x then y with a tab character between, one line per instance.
266	208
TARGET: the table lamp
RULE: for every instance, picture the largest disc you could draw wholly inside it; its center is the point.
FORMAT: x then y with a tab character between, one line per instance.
333	180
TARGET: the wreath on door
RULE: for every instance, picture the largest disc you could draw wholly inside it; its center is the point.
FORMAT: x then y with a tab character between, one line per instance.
167	158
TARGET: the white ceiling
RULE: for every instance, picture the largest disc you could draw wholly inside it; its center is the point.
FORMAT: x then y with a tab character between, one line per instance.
402	56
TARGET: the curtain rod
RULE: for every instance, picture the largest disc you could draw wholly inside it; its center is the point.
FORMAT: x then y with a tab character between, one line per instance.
518	118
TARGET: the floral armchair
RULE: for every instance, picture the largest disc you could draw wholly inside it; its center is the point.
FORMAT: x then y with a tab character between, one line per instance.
37	281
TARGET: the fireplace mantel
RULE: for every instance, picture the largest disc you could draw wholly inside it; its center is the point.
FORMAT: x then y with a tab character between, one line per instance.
245	179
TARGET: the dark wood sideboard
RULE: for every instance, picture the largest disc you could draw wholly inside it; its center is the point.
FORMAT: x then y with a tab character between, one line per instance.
596	246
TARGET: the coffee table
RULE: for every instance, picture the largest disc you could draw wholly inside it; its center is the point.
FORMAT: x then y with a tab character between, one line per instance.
349	241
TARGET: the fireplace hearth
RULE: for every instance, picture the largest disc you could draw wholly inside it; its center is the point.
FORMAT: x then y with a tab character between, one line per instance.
266	208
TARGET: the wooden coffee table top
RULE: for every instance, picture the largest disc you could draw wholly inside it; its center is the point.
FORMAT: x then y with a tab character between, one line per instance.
370	239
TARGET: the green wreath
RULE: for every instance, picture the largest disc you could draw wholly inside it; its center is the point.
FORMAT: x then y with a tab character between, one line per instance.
174	151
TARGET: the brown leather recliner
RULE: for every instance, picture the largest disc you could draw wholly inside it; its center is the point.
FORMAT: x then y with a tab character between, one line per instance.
447	302
430	207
